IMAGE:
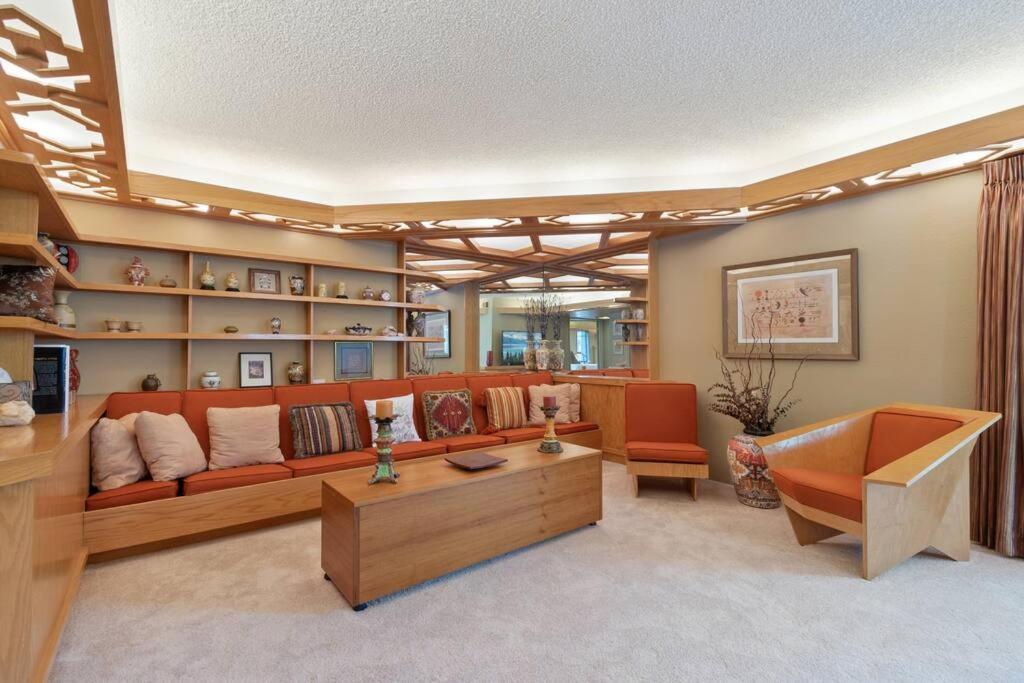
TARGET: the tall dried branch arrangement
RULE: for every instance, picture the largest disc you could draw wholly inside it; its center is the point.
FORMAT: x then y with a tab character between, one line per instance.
549	313
531	308
745	392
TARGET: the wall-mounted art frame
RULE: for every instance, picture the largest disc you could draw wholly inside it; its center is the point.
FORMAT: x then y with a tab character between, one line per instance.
255	369
806	306
353	360
438	324
264	281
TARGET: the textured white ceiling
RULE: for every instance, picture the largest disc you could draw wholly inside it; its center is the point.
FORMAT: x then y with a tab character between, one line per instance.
349	101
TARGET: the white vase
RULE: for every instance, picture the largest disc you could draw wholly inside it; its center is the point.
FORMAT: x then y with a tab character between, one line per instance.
62	311
210	380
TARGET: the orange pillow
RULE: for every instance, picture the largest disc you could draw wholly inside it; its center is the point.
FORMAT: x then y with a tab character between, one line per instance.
506	408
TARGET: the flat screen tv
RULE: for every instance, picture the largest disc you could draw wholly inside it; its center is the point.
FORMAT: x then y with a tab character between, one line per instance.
513	343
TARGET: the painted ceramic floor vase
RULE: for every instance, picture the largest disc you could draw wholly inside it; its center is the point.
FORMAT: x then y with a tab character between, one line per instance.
754	485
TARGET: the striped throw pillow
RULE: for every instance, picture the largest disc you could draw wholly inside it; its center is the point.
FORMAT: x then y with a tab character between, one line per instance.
506	408
325	428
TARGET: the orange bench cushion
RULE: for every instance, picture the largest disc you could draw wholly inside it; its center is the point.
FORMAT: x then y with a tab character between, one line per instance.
321	464
413	449
575	427
215	480
658	451
139	492
894	434
661	411
521	434
468	442
122	403
834	492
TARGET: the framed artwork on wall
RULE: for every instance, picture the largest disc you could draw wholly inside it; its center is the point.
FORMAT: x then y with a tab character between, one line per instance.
439	324
806	306
353	360
255	369
264	281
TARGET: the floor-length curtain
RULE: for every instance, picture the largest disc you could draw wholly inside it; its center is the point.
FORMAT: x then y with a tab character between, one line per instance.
997	466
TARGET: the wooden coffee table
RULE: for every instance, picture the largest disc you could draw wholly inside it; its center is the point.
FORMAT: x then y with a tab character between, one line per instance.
382	538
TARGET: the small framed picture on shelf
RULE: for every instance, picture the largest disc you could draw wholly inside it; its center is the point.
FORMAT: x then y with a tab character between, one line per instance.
264	281
353	360
256	369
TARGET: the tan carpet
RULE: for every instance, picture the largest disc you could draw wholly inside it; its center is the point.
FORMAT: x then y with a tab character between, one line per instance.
662	589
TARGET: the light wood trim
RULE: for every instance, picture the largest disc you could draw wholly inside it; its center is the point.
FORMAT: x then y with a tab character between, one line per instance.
48	649
821	517
34	326
21	172
16	350
471	336
835	445
631	299
632	322
16	526
42	329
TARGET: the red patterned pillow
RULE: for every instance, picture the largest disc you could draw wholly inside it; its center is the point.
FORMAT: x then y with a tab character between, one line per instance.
506	408
448	413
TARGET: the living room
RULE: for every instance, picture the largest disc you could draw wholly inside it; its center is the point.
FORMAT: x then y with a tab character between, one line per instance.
491	341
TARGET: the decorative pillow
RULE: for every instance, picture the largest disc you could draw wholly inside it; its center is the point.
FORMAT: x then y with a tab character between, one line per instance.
567	397
505	408
448	413
244	436
320	429
403	429
168	446
27	291
16	391
116	460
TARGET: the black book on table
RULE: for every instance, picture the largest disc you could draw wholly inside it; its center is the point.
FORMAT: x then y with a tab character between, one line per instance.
52	378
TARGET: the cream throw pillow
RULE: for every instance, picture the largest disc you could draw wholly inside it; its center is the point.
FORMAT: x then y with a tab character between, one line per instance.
168	446
244	436
403	428
116	460
567	397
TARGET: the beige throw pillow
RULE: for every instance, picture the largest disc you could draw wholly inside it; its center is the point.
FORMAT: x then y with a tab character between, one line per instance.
567	397
244	436
116	460
168	446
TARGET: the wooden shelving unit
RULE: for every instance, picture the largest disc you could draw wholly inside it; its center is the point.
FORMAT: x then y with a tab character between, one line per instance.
632	322
631	300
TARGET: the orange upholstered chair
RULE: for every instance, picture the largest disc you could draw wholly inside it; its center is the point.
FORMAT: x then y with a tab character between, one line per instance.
895	476
661	433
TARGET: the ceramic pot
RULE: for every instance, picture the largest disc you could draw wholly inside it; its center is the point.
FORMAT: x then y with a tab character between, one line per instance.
168	281
296	372
113	325
151	383
133	326
297	283
210	380
339	290
206	278
275	325
321	290
530	356
754	485
417	294
368	293
550	355
62	311
231	283
136	272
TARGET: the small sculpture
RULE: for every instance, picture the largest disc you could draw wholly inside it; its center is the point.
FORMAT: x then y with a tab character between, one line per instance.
275	325
151	383
210	380
385	295
417	293
390	331
76	376
296	372
339	290
230	329
136	272
321	290
48	244
206	278
359	330
297	283
168	281
368	293
625	333
231	282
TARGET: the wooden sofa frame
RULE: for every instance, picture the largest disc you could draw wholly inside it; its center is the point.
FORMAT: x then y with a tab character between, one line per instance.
918	501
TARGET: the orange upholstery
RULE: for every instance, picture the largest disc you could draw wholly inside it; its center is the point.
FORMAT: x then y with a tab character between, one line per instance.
520	434
661	411
121	403
834	492
303	467
373	390
304	394
215	480
894	434
618	372
197	401
413	449
642	373
661	451
421	384
477	385
575	427
139	492
468	442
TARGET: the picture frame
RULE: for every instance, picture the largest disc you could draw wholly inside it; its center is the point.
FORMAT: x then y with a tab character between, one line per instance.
353	360
438	324
255	369
806	305
264	281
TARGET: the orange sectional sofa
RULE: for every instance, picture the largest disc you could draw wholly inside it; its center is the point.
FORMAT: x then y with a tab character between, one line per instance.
638	373
193	404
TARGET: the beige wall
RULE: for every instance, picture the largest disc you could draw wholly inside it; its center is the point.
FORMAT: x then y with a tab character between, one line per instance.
917	302
454	300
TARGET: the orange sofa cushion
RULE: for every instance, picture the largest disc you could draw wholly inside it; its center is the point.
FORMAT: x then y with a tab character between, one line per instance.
413	449
215	480
122	403
833	492
575	427
373	390
522	434
468	442
196	402
661	411
437	383
654	451
139	492
477	385
304	394
895	434
321	464
641	373
618	372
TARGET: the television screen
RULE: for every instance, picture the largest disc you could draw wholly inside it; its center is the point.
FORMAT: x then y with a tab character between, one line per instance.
513	343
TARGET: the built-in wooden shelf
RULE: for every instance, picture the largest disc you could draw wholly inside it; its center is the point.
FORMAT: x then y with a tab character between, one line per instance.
20	171
643	343
631	300
27	248
632	322
37	327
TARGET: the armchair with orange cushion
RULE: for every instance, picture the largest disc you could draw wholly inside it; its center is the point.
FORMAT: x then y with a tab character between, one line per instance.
895	476
661	433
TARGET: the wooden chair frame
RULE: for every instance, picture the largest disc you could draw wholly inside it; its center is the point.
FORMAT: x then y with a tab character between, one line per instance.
675	470
915	502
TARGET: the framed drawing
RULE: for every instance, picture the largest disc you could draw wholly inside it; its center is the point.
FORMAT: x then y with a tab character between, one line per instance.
438	324
255	370
353	360
806	306
264	281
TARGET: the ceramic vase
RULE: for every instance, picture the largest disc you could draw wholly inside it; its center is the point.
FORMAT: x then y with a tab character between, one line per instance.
550	355
62	311
231	283
275	325
136	272
151	383
417	294
754	485
210	380
297	283
206	278
296	372
530	356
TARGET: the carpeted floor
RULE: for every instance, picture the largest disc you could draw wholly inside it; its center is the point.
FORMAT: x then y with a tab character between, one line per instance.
662	589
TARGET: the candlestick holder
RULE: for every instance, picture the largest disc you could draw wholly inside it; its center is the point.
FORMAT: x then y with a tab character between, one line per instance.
550	443
385	468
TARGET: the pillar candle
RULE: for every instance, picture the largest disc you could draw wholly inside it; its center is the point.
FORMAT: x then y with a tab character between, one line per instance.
549	402
385	409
